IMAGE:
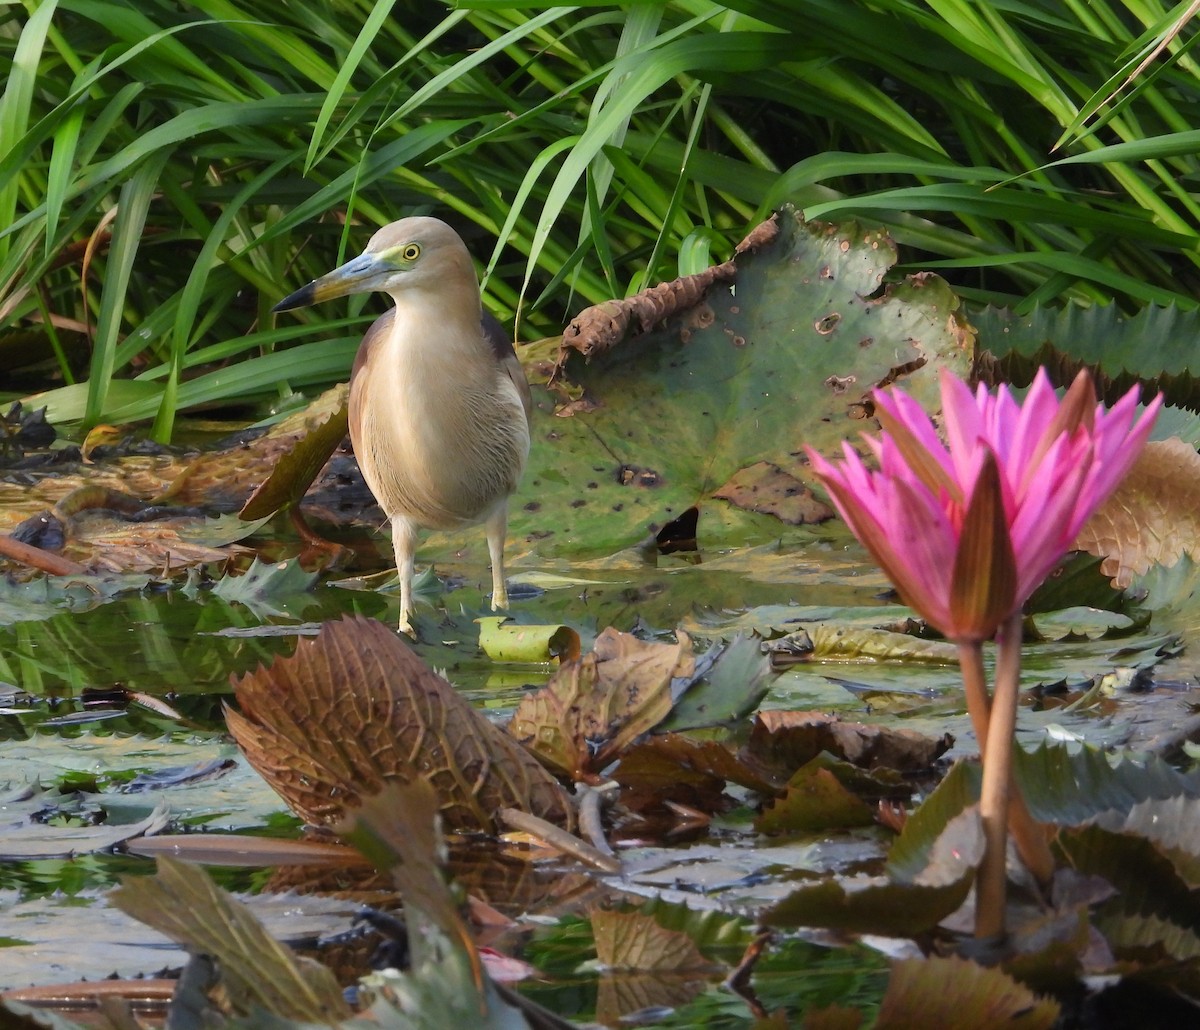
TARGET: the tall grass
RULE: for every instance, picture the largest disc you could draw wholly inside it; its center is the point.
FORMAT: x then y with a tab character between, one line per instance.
167	171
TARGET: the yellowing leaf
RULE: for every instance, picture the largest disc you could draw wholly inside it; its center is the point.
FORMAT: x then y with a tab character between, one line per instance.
594	707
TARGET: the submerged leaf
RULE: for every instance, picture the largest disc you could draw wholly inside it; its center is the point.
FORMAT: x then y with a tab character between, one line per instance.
355	708
635	941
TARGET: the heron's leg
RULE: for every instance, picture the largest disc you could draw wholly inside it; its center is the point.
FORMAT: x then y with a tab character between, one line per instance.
497	530
404	540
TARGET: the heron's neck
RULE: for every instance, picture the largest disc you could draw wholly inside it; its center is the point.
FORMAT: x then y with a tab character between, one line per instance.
429	330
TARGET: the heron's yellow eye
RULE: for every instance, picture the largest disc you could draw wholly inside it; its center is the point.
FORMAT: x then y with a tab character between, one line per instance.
411	252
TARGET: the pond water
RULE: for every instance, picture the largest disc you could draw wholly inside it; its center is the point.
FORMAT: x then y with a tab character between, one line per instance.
83	681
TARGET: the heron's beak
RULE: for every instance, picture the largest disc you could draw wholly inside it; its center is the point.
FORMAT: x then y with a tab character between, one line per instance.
359	275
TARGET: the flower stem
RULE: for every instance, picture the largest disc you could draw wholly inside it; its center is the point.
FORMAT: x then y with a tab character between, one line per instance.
1027	833
991	881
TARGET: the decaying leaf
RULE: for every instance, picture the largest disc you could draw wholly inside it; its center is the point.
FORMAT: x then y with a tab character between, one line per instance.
636	941
814	799
674	766
355	708
595	706
603	326
765	487
782	741
955	992
302	456
1153	517
182	902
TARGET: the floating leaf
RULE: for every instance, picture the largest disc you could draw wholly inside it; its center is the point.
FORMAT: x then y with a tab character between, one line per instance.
269	588
594	707
780	742
731	688
182	901
355	708
29	839
785	353
869	906
1156	345
1172	824
505	641
814	800
955	992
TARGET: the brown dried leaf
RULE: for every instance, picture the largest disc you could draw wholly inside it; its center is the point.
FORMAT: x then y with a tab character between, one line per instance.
182	901
633	940
766	488
231	475
1153	517
671	760
781	742
355	708
302	462
596	706
602	326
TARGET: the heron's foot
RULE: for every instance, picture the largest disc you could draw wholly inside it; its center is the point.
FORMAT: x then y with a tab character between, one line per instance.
406	625
499	597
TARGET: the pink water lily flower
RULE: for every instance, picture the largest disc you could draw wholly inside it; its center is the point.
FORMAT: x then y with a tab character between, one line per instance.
967	529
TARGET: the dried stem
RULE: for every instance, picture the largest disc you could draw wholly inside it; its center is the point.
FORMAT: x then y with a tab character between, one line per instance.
1027	833
991	880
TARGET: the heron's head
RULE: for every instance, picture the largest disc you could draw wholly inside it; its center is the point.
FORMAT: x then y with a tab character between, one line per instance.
412	254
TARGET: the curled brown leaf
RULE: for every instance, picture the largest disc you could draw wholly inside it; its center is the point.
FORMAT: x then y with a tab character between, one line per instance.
355	708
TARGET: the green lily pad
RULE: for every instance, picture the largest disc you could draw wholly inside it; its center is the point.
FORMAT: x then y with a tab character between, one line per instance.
783	356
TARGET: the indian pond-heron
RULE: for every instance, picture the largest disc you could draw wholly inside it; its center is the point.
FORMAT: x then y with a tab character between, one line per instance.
439	404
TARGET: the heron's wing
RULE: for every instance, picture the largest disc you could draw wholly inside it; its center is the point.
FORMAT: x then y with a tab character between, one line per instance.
506	356
380	330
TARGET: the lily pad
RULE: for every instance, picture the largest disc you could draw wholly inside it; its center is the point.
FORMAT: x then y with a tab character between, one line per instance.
782	356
